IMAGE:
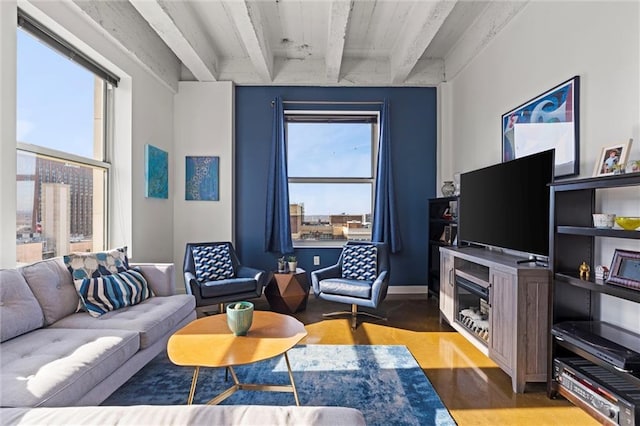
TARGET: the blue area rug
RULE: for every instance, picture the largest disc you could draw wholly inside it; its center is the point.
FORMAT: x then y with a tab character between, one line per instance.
384	382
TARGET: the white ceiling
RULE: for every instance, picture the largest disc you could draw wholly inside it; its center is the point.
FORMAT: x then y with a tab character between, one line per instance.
312	42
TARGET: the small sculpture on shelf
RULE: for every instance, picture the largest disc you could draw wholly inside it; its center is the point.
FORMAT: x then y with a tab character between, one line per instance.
584	271
602	272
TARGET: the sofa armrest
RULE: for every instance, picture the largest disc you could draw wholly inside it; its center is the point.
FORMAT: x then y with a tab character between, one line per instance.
160	276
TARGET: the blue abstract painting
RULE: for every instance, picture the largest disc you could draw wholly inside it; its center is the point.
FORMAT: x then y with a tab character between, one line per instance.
156	172
202	181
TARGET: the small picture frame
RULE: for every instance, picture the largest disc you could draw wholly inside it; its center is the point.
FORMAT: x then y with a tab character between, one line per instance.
612	156
625	269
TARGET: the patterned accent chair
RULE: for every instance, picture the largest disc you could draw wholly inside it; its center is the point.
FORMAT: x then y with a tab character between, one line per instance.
214	275
360	278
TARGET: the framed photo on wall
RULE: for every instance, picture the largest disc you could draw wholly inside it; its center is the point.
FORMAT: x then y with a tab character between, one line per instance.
547	121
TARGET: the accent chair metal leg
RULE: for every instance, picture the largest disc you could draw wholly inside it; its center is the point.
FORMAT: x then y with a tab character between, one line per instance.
354	315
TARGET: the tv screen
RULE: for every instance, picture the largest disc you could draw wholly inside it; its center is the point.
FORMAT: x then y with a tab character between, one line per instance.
507	205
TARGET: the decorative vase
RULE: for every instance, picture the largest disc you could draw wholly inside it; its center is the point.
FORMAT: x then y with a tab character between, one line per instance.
293	266
448	188
240	317
282	267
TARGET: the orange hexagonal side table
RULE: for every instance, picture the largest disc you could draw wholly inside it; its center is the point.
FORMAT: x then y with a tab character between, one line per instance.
288	292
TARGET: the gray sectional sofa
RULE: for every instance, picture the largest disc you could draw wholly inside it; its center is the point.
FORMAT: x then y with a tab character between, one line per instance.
51	356
251	415
57	366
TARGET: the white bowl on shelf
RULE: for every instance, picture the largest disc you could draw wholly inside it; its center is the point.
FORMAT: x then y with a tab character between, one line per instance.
603	220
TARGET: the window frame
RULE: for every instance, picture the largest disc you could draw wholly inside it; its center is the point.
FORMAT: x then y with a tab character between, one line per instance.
317	116
109	82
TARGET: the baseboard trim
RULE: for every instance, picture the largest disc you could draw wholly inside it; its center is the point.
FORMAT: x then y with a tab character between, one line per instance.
407	289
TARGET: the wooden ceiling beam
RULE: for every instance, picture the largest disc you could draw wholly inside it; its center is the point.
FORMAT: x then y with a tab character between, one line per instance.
424	21
248	22
174	23
484	29
339	13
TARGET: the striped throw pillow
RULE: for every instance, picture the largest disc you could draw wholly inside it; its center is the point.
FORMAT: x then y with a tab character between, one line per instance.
110	292
213	262
359	262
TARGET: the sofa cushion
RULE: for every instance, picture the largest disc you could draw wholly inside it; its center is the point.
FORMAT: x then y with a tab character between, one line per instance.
96	264
110	292
151	319
19	308
359	262
213	262
186	414
52	285
56	367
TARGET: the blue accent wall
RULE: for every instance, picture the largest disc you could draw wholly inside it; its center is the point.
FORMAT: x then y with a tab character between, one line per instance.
413	140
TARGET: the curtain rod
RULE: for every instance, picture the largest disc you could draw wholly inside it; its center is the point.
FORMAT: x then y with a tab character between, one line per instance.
332	102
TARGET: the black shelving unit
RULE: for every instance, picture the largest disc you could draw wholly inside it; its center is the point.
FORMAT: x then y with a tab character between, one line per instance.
572	241
438	220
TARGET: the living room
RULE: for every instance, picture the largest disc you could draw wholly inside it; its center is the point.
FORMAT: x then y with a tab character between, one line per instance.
438	130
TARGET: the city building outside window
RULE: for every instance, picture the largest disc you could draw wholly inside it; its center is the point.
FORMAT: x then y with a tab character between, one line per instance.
62	135
331	168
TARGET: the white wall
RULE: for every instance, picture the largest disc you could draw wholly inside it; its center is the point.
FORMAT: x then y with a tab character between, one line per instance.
544	45
144	114
204	126
7	134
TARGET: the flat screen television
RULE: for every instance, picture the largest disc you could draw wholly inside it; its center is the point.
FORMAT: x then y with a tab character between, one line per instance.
507	205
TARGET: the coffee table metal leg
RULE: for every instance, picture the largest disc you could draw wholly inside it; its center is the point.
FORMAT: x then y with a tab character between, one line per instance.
293	384
194	381
227	393
249	386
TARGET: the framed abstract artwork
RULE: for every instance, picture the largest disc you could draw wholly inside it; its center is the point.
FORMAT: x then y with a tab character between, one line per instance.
547	121
202	179
156	172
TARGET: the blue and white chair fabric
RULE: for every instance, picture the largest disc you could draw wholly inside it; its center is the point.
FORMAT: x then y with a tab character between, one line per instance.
214	275
360	278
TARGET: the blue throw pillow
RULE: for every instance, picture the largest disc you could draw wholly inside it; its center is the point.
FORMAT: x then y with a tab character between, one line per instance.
213	263
83	265
359	262
110	292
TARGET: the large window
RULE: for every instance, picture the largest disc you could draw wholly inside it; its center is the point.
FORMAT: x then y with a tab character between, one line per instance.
62	132
331	167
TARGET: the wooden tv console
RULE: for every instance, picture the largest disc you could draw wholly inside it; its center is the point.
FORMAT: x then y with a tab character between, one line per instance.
518	308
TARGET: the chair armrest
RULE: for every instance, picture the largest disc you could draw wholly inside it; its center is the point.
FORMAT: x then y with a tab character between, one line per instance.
190	283
322	274
160	277
262	277
379	288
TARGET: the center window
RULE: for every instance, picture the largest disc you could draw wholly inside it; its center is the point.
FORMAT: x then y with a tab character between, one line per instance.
331	168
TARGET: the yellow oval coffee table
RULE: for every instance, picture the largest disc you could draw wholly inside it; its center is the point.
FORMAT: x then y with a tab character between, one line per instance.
208	342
